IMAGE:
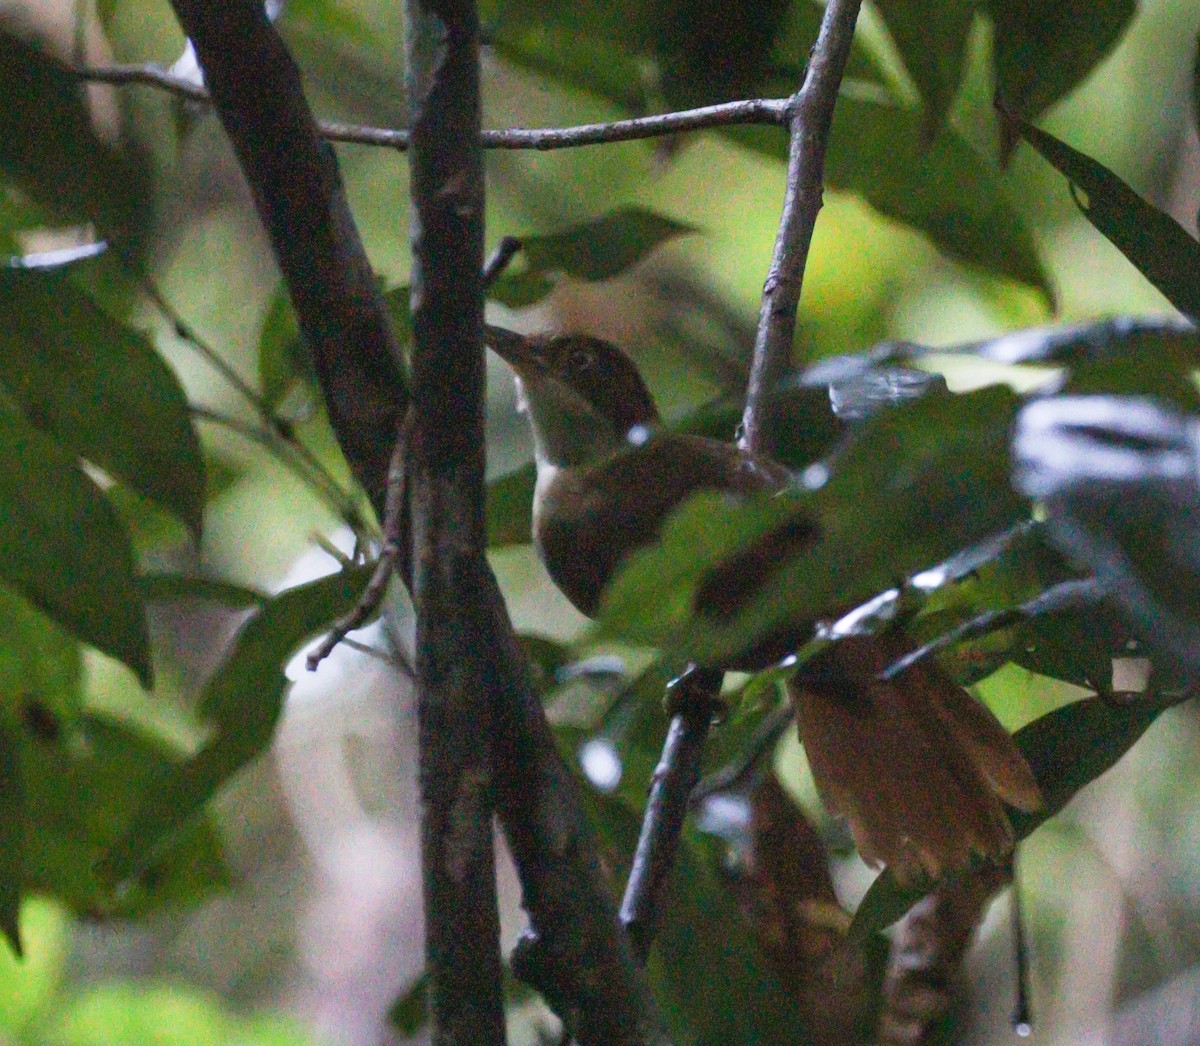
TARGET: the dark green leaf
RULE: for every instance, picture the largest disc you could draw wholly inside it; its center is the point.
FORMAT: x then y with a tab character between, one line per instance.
808	427
509	506
82	793
166	588
41	670
13	831
714	52
49	147
410	1012
1077	647
1066	749
918	483
99	388
1158	246
546	658
942	188
580	60
521	289
1117	475
603	247
932	40
1044	48
70	556
281	359
242	701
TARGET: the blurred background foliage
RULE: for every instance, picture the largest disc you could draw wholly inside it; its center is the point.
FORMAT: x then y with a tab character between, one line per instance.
297	890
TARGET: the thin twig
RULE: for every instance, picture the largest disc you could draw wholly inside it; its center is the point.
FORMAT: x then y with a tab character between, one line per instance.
1074	594
505	251
810	120
309	464
1022	1017
728	114
385	565
694	696
323	485
297	190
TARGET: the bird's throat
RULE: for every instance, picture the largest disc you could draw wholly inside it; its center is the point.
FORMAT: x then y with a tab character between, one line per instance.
567	432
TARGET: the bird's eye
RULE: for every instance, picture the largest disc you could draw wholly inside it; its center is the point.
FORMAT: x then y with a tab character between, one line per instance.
582	360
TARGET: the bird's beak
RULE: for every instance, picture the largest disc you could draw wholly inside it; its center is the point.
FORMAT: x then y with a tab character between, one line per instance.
519	352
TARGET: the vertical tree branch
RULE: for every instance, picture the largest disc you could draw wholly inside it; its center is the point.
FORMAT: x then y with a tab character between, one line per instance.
446	484
255	87
811	110
810	118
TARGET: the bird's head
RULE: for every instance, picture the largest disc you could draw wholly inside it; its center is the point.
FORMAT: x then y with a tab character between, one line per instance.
583	395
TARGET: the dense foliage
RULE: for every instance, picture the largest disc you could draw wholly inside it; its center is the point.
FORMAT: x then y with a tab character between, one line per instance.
1042	514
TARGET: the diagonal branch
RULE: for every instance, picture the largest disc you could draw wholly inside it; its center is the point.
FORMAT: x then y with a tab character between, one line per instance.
811	119
727	114
299	195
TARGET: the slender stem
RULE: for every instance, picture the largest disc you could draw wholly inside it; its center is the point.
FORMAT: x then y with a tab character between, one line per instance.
694	695
1022	1018
727	114
390	551
318	480
810	120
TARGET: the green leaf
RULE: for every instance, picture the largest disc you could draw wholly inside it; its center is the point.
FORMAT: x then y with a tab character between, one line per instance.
943	188
99	388
41	670
932	40
410	1012
81	793
808	428
50	149
12	837
603	247
1158	246
581	60
242	701
167	588
918	483
281	359
714	52
520	289
141	32
71	555
509	507
1044	48
1066	749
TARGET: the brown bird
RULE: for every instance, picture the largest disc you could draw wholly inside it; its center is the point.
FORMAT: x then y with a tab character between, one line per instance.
916	765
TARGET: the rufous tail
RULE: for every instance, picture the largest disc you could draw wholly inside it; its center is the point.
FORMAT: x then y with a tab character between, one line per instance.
916	765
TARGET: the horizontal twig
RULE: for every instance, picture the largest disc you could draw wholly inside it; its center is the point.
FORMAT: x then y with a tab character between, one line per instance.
728	114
